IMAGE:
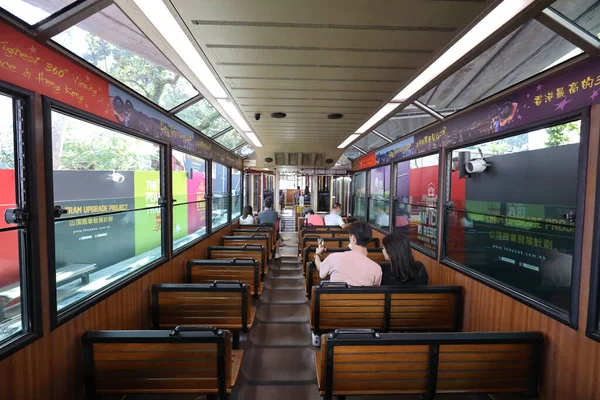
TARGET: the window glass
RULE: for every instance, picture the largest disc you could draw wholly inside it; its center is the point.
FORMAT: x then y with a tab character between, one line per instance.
370	142
511	221
230	140
220	192
33	11
525	52
352	153
415	204
112	43
109	184
236	193
379	197
244	151
585	13
11	235
359	195
189	192
405	122
204	117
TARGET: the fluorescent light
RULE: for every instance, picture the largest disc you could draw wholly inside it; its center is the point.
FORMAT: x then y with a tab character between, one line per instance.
347	141
253	138
383	111
233	112
499	16
160	16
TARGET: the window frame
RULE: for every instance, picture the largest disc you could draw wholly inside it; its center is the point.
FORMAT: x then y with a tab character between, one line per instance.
58	318
571	318
194	242
592	330
428	252
353	192
30	273
368	197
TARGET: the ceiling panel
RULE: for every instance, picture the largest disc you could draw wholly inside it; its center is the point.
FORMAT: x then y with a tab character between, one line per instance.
311	58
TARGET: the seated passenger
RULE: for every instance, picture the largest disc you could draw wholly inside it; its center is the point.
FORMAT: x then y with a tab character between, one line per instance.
313	219
268	216
335	218
404	269
247	217
352	267
383	218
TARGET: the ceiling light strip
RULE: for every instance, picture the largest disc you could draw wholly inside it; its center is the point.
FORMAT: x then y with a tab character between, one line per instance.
160	16
379	115
498	17
349	140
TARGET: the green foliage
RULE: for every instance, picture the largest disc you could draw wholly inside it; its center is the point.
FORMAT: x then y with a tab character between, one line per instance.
559	135
204	117
7	150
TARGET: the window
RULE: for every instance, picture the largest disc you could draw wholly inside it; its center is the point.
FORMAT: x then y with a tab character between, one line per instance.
405	122
527	51
13	231
370	142
379	197
514	222
204	117
189	192
32	14
359	195
112	43
415	204
220	192
230	139
352	153
236	193
584	13
107	190
244	151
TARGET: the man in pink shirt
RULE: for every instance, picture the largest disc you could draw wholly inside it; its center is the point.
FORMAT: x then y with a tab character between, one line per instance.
352	267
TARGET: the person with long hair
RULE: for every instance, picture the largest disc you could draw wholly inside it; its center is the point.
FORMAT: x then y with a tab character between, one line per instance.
403	269
247	217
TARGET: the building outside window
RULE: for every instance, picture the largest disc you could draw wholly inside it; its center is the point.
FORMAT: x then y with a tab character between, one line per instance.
379	197
220	193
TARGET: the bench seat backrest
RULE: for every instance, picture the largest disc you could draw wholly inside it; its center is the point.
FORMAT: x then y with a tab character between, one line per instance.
207	271
426	363
337	242
312	277
254	239
130	362
244	230
224	304
242	252
303	229
386	308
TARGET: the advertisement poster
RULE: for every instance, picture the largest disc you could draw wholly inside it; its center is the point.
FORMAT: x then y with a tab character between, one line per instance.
9	260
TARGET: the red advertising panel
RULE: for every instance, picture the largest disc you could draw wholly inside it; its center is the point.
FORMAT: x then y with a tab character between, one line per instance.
9	253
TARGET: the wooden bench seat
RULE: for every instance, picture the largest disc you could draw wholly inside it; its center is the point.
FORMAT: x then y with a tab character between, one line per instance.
304	230
334	305
244	270
254	239
336	242
330	232
312	277
224	304
260	227
265	230
369	363
181	361
254	252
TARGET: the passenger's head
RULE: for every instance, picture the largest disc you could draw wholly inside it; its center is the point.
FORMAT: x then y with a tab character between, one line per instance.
298	188
337	208
310	212
360	233
397	250
247	211
269	202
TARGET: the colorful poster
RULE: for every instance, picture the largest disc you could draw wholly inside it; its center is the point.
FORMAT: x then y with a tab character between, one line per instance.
9	260
148	223
26	63
566	91
196	191
180	211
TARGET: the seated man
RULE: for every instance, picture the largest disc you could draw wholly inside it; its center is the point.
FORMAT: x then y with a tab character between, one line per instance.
268	216
352	267
335	218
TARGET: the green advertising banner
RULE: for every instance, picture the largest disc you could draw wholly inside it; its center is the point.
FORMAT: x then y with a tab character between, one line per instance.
180	210
147	222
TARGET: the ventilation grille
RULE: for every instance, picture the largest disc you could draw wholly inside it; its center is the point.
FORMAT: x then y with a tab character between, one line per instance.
280	158
306	158
319	160
293	158
308	25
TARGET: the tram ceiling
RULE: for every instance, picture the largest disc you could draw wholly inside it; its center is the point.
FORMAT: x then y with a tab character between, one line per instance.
314	58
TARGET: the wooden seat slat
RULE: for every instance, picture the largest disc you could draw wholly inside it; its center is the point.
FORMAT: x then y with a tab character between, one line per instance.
207	271
240	252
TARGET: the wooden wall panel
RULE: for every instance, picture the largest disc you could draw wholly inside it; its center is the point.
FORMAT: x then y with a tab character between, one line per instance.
51	368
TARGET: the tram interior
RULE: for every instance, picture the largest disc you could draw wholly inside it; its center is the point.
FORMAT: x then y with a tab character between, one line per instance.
170	171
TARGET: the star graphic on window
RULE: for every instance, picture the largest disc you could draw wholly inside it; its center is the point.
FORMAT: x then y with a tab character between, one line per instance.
33	49
561	106
539	88
595	94
528	95
177	228
87	77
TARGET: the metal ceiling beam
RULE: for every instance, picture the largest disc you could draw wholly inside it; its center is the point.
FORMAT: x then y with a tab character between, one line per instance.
570	31
224	131
359	149
71	16
185	104
381	135
428	110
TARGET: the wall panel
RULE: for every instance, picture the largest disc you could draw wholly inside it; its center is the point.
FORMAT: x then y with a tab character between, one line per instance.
51	368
